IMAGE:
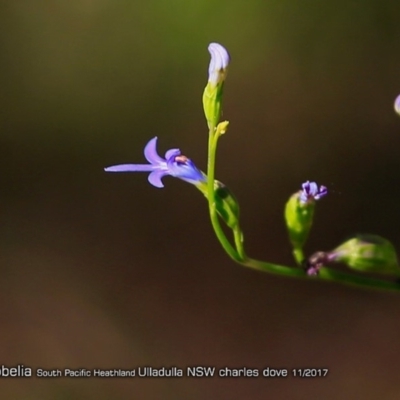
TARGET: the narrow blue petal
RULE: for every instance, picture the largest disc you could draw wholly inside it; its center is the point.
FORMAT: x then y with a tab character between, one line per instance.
130	168
155	178
150	152
323	190
172	153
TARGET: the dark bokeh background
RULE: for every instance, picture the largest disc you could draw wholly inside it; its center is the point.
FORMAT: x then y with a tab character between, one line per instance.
106	271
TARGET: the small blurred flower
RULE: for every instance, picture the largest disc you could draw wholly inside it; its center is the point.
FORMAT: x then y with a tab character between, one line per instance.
311	192
397	105
315	262
174	164
219	63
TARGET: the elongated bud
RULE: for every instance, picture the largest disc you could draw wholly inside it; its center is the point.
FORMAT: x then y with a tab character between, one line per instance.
217	71
227	205
368	253
299	218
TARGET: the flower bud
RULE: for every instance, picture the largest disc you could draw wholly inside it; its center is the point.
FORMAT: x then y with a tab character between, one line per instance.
299	218
299	213
219	62
222	127
368	253
217	71
226	204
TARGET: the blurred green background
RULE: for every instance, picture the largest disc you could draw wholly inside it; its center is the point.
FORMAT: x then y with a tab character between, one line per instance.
101	270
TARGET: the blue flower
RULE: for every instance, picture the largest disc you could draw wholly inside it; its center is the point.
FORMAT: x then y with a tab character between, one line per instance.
219	63
174	164
311	192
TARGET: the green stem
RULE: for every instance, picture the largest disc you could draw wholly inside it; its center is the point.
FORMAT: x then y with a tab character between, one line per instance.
326	274
274	268
238	238
212	142
333	275
298	255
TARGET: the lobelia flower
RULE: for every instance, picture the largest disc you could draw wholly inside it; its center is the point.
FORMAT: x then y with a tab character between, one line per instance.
311	192
174	164
179	166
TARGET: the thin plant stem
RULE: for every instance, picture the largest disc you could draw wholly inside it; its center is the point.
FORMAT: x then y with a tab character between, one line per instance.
211	198
298	255
238	238
325	274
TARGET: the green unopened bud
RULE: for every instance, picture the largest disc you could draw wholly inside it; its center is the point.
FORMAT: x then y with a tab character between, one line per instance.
217	71
299	213
222	127
227	205
368	253
299	218
212	104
